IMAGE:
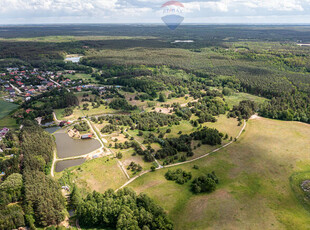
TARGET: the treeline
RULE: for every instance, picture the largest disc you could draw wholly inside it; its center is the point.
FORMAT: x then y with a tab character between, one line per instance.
148	121
121	104
44	203
178	149
44	55
289	107
55	99
123	209
244	110
27	183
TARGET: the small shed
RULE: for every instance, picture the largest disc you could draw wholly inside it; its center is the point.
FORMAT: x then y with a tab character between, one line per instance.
87	136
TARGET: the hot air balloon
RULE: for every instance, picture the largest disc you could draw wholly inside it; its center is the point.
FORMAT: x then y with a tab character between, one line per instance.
172	12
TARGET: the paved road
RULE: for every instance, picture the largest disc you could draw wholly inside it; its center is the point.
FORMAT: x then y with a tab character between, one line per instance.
17	89
56	83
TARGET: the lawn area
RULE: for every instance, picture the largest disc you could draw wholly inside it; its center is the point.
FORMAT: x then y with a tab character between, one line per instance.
128	158
8	122
237	97
225	125
98	174
81	76
78	112
127	153
254	190
6	108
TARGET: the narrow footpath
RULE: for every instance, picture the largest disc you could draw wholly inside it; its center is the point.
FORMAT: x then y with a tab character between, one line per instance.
185	162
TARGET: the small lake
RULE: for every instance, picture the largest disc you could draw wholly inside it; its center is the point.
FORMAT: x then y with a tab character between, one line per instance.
183	41
52	129
46	124
68	147
73	59
62	165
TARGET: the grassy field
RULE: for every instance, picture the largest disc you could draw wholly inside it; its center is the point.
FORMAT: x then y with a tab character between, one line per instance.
81	76
8	122
237	97
254	190
225	125
6	108
99	174
78	112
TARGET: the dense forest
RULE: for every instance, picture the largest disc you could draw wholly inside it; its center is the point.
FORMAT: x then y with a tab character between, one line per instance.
123	209
28	183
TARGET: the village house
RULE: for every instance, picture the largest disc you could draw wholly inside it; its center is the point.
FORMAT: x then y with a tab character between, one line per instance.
3	132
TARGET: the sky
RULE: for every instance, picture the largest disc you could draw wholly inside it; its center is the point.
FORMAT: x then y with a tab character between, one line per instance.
145	11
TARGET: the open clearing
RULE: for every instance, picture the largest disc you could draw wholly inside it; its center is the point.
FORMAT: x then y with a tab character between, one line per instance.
6	108
8	122
235	98
81	76
254	190
98	174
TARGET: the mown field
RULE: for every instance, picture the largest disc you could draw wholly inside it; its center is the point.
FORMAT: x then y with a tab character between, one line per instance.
98	174
254	190
6	108
5	119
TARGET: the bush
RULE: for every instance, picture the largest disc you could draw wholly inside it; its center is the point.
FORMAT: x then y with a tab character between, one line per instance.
205	183
179	176
119	155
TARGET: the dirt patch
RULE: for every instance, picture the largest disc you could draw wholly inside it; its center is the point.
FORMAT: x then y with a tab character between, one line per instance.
163	110
198	205
255	117
148	185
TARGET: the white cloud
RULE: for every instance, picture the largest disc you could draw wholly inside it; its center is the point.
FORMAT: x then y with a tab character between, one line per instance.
148	10
226	5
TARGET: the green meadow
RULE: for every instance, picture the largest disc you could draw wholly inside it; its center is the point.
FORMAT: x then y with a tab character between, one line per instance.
254	190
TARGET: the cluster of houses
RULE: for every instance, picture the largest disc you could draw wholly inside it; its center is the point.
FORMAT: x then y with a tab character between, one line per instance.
26	83
3	132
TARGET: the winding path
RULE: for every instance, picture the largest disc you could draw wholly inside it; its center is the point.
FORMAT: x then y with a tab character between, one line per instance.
144	148
185	162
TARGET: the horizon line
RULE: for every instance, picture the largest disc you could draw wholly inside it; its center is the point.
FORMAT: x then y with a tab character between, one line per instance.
155	23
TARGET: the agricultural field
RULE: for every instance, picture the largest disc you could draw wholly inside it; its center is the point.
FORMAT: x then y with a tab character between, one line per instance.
6	108
253	172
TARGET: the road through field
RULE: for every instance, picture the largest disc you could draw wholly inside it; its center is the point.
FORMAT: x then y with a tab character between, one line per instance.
185	162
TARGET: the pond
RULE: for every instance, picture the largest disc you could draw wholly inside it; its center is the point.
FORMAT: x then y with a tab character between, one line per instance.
68	147
62	165
183	41
73	59
47	124
52	129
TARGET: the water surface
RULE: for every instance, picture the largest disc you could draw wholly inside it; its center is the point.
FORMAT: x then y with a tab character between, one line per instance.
68	147
62	165
73	59
52	129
